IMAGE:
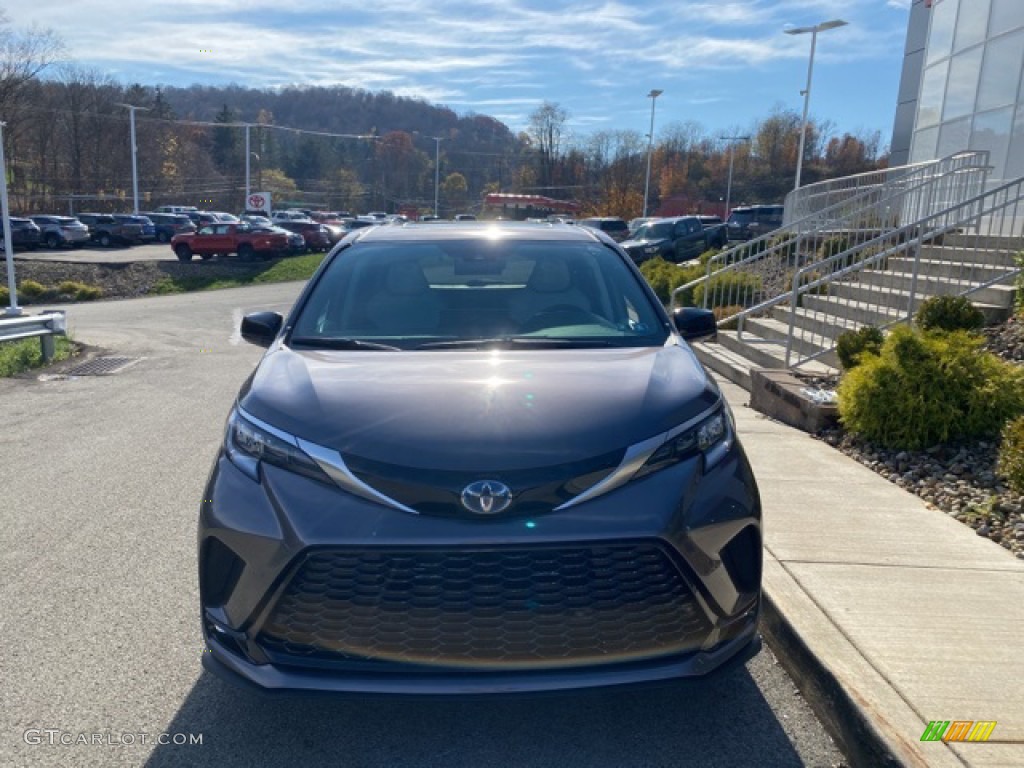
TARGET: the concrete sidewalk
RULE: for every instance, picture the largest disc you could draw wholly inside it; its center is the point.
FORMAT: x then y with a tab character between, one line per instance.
894	613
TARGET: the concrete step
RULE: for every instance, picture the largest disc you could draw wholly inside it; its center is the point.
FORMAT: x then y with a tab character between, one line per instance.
758	350
839	317
896	299
807	342
968	254
969	240
976	272
998	295
734	367
853	310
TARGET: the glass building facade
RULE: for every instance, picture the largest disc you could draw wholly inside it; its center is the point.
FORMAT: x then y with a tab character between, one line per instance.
962	88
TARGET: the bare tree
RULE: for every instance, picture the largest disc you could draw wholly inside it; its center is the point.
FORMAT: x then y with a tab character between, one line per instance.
23	55
547	126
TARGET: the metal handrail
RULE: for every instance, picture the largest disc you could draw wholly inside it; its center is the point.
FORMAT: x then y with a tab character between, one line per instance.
909	239
924	173
796	200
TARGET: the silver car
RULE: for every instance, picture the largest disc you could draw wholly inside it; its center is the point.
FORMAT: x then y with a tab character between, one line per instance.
61	231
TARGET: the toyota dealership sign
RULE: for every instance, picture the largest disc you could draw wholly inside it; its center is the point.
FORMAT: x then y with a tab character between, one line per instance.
258	201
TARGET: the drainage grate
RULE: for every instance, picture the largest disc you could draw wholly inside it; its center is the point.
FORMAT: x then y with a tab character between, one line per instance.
102	366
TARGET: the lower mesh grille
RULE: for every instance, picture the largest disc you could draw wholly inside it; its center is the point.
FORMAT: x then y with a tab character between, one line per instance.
499	608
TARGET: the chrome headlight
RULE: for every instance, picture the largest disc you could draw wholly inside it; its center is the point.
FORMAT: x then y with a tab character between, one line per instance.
650	249
248	443
711	437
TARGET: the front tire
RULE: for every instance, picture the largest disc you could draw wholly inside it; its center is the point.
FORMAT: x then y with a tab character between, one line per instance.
183	252
246	253
52	241
105	240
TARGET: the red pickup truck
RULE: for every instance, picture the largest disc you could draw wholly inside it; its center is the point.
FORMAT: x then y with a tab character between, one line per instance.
225	238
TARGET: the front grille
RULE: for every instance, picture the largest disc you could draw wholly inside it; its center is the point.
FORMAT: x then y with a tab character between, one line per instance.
499	608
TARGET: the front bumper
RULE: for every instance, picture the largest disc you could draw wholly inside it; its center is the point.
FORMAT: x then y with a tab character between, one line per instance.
305	587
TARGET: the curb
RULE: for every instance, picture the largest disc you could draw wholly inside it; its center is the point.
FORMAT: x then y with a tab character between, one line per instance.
848	723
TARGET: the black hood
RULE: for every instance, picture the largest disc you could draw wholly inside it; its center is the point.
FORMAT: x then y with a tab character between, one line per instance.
628	244
480	410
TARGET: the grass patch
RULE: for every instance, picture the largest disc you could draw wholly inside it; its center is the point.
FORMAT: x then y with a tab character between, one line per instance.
284	270
25	354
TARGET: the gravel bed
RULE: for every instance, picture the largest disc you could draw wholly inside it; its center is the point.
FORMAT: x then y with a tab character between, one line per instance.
129	280
959	479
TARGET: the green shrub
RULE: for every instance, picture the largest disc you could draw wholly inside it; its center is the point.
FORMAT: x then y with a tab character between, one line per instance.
949	313
30	289
852	344
728	288
665	277
78	291
832	246
1011	455
924	389
5	297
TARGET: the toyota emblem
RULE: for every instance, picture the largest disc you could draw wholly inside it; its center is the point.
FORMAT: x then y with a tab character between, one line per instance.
486	497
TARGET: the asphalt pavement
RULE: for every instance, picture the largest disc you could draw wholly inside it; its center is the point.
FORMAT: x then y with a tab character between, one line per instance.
99	490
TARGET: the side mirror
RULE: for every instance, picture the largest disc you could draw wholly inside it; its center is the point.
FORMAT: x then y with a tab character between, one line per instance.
695	324
261	328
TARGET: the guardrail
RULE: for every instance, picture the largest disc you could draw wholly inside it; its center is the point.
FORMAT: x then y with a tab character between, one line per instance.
44	326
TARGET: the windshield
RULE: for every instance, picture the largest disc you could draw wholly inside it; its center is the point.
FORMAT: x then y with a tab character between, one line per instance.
741	218
432	295
658	230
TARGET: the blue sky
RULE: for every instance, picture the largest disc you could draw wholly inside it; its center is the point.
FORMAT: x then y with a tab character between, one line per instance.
723	64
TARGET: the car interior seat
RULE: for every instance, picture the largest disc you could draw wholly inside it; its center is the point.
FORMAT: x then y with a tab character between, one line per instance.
405	304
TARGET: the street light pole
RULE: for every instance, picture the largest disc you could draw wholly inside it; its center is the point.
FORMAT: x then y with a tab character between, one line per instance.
13	309
807	91
728	187
135	170
437	169
653	96
248	154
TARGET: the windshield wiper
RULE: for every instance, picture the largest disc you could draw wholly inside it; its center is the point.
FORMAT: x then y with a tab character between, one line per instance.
517	341
340	342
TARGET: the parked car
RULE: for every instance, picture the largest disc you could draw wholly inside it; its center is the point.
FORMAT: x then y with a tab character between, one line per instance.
616	229
750	221
635	224
106	230
205	218
465	217
289	215
718	237
167	225
185	209
147	234
317	236
60	231
296	242
25	234
678	239
224	238
386	516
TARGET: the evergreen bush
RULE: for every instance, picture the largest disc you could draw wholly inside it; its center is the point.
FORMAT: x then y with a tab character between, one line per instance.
949	313
852	344
926	388
1010	463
